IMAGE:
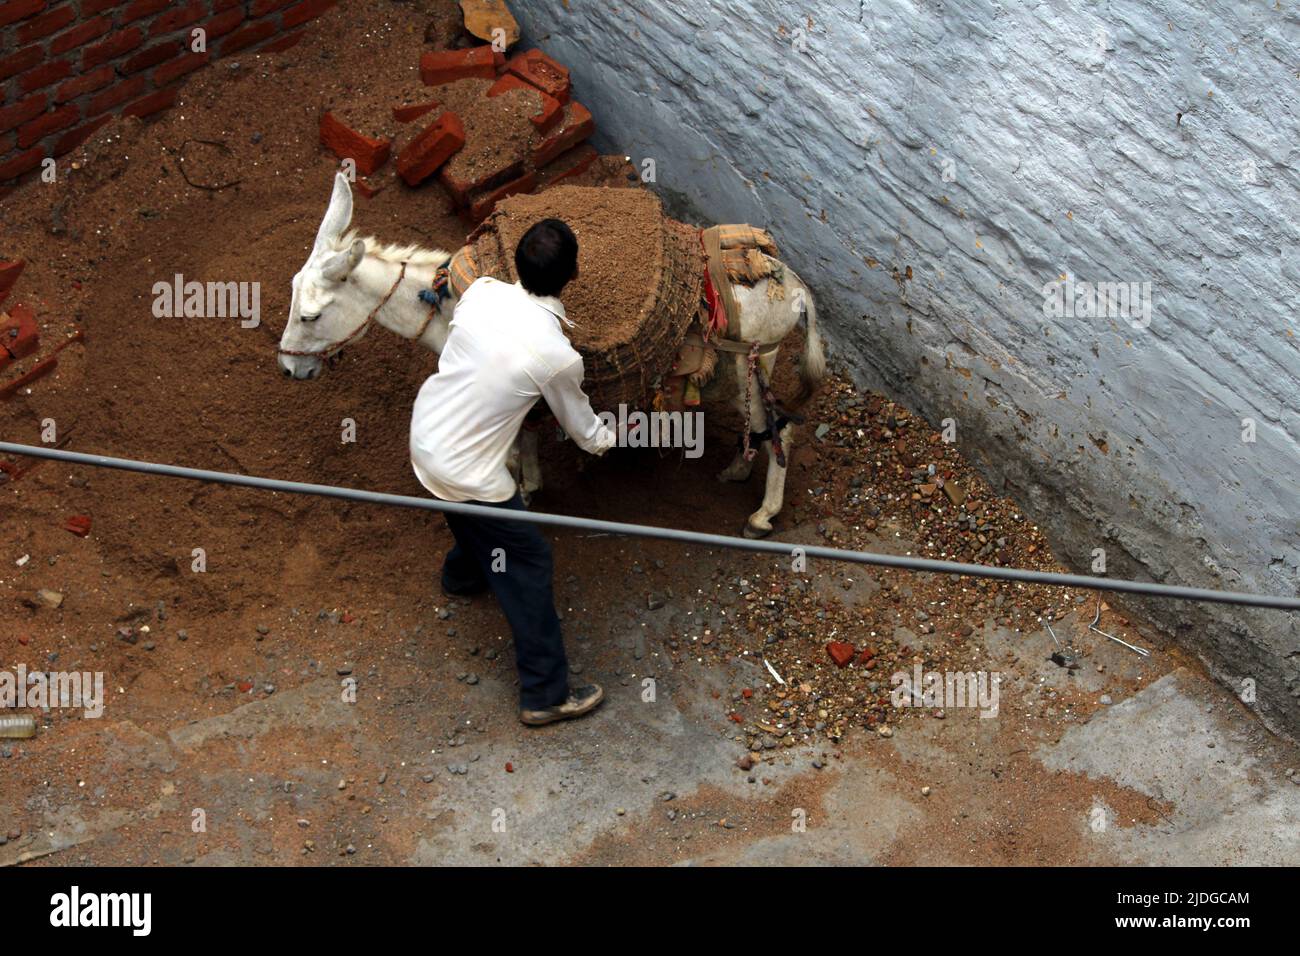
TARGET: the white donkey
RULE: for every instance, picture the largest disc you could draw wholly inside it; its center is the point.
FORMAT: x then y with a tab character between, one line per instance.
347	284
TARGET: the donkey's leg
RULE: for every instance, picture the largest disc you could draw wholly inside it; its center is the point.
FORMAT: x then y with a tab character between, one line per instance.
740	469
759	524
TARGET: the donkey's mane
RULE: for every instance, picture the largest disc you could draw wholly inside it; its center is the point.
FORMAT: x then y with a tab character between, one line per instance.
390	252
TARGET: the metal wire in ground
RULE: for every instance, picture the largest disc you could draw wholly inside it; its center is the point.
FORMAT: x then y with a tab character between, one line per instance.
1145	588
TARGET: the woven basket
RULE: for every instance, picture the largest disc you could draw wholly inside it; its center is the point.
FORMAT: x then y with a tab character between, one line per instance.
627	371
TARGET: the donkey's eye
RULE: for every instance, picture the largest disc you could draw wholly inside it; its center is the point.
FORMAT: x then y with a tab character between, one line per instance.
309	318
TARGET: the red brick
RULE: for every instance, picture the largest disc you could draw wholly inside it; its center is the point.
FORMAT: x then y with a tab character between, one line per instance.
535	67
151	56
261	8
47	23
346	143
552	109
17	165
44	75
9	272
436	144
502	168
577	125
23	111
137	9
178	17
308	10
118	42
86	83
78	525
11	11
115	95
284	42
447	66
75	137
152	103
43	367
82	33
89	7
481	207
35	131
247	36
22	60
19	335
179	67
840	652
222	24
219	5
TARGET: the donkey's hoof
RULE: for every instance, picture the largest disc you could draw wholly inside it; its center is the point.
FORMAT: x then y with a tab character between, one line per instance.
754	531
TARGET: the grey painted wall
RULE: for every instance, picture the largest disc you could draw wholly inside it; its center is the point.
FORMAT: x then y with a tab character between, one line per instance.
929	166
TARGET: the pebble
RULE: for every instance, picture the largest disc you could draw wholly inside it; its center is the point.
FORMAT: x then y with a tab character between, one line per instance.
1105	699
344	669
182	635
925	791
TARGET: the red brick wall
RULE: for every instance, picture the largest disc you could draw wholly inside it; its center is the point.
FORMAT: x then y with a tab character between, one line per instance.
68	66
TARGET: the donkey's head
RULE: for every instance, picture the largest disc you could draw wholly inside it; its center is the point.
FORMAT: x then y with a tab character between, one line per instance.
326	311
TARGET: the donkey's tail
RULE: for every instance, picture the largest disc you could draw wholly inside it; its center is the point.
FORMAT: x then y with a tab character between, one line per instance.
812	364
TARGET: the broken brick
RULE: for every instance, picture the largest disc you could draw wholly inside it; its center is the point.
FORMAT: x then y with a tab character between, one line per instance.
78	525
539	70
577	125
447	66
568	164
463	189
436	144
840	652
344	142
9	273
19	336
43	367
406	112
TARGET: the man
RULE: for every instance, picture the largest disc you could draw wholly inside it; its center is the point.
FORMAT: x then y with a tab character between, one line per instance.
506	349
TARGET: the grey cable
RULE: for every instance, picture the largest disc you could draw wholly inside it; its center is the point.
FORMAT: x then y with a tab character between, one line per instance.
668	534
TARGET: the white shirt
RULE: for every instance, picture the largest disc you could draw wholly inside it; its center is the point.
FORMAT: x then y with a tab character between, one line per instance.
505	349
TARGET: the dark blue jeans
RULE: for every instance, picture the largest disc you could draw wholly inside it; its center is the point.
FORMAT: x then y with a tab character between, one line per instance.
514	560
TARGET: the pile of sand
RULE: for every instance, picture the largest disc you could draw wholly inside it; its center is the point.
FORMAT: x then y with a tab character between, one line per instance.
639	279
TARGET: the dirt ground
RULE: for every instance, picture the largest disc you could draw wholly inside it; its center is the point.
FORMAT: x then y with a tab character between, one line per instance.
226	689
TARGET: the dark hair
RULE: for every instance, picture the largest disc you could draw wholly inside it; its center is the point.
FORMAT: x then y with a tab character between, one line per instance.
547	257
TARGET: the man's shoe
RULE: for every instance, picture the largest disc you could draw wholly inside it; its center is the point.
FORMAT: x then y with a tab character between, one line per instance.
581	700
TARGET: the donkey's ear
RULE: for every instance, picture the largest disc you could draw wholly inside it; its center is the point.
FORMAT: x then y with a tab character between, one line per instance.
339	266
339	214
